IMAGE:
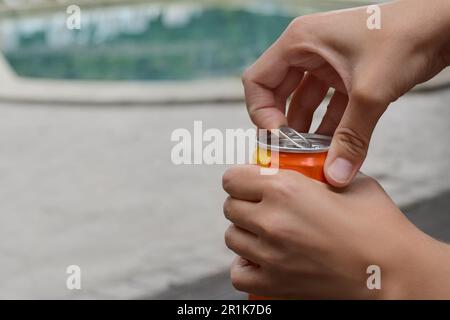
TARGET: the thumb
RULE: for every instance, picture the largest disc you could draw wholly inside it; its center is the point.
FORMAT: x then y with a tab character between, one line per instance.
351	139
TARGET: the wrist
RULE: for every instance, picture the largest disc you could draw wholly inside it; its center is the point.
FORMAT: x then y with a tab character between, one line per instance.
425	273
400	263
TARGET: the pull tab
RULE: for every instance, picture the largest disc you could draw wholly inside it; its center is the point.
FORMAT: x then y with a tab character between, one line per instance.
291	134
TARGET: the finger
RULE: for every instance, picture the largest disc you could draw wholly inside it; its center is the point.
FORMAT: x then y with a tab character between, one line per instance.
244	182
243	243
287	86
351	139
307	97
242	213
260	82
333	116
270	71
247	277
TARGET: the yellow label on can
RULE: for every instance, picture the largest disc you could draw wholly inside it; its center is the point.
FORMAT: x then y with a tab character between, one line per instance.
262	157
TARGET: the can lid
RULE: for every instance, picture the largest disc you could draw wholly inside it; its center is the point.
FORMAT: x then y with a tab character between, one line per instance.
291	141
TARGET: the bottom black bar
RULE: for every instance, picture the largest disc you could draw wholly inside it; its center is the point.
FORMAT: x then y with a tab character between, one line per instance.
197	309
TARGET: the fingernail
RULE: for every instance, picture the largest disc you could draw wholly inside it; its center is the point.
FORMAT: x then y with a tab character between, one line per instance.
340	170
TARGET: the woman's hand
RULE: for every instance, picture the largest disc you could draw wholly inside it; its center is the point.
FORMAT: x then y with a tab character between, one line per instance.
369	69
308	240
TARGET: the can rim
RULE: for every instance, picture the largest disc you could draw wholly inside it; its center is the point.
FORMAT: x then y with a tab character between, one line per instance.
309	136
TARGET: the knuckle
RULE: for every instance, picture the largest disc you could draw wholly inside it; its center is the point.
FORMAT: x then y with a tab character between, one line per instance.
290	181
274	184
229	237
227	179
265	228
237	281
272	226
295	24
282	185
293	36
273	260
352	143
365	94
300	24
227	208
302	29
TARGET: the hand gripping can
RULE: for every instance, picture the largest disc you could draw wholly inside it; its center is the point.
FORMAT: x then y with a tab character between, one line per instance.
301	152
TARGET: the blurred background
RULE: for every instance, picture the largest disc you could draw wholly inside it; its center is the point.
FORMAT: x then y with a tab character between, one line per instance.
85	122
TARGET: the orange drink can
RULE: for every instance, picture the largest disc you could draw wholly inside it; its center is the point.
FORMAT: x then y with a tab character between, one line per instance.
301	152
